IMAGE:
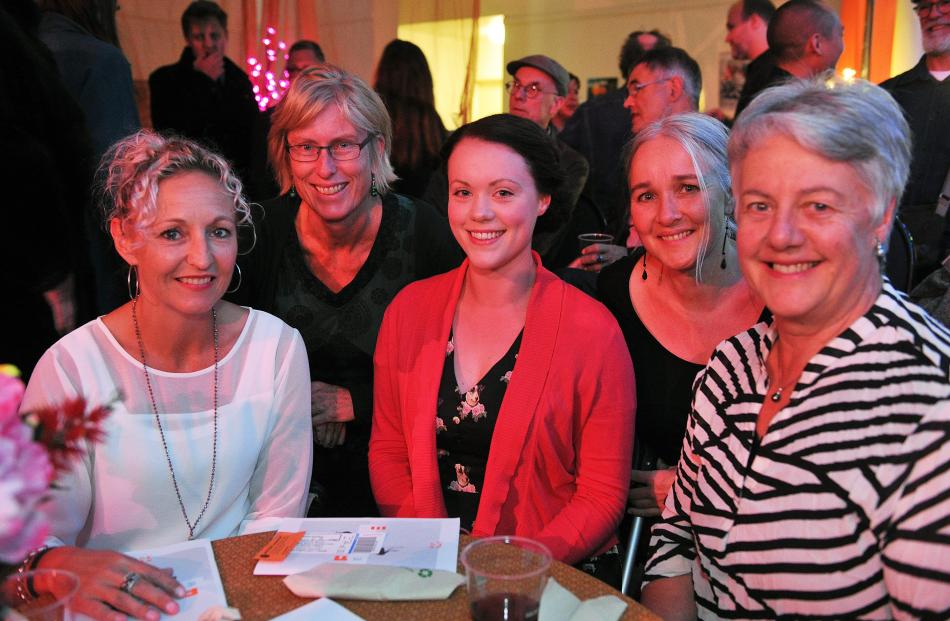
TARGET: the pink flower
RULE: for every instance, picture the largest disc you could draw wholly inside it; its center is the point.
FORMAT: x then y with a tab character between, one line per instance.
25	477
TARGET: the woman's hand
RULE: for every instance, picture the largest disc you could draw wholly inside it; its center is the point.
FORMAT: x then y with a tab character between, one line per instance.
331	407
647	498
596	257
102	574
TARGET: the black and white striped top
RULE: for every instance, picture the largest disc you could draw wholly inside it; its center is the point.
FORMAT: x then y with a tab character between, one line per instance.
842	510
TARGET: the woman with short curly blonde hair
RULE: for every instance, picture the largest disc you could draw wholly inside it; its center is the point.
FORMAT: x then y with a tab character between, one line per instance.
211	422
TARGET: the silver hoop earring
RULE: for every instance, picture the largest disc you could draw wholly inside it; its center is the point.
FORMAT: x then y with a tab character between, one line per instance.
128	282
240	279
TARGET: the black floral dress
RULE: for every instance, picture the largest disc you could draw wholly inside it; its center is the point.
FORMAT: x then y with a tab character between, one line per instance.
464	424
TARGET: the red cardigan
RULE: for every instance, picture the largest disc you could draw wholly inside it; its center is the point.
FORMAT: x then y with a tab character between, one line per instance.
559	462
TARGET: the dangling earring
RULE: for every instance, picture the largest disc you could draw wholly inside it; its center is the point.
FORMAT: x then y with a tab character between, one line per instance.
240	279
128	282
644	275
725	234
293	191
373	190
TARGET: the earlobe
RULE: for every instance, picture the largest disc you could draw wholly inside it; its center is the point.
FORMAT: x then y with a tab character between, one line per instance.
120	238
881	230
544	201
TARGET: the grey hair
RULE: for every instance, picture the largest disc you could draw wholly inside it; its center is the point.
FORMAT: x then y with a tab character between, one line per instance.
854	122
133	168
316	88
703	138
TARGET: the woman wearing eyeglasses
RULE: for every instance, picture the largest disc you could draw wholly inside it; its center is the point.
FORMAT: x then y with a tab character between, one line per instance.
334	249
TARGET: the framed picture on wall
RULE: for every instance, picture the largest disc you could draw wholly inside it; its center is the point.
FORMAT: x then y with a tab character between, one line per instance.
600	86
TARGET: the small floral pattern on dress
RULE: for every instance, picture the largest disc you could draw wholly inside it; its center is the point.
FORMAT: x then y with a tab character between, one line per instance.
471	405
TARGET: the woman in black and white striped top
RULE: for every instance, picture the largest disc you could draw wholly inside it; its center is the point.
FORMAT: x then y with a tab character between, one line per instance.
815	474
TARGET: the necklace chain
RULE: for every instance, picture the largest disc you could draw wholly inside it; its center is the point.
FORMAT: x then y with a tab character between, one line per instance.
161	430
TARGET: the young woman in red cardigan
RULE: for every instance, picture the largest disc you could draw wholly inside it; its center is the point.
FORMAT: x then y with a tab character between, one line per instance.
503	396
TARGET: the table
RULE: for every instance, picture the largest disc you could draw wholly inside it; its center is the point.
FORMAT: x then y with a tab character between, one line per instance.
263	597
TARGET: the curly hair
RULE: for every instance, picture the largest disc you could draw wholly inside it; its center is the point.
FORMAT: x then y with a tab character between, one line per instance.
133	168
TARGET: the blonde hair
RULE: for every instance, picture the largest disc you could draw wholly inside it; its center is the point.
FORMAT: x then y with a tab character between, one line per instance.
134	167
315	89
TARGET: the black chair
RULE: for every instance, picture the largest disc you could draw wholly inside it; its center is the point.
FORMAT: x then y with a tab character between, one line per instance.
643	459
900	262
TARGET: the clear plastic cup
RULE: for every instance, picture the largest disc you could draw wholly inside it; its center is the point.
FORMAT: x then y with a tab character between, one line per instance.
506	576
57	589
586	239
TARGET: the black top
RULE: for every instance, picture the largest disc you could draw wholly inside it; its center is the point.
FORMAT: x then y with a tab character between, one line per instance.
664	381
464	425
221	113
761	73
340	329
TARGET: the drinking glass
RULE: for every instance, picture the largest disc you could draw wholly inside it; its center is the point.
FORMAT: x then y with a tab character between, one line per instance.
506	576
56	587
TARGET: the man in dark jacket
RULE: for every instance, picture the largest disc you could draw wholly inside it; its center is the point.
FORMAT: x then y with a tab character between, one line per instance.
205	96
924	94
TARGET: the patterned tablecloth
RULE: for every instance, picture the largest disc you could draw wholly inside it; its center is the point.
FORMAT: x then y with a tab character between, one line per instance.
264	597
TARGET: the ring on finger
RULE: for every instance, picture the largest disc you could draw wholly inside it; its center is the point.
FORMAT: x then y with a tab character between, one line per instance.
129	582
600	258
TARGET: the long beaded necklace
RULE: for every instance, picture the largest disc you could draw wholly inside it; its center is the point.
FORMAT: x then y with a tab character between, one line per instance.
161	430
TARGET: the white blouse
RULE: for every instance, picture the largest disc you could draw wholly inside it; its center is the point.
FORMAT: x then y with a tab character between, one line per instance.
120	495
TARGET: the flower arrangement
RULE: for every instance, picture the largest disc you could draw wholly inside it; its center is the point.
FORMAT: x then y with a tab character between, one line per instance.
34	448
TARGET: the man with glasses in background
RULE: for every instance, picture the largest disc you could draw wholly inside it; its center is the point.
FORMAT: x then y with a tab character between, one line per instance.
665	82
924	94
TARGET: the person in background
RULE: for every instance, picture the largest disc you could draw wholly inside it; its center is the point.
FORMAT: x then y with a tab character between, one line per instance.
924	94
569	107
821	439
501	372
805	39
50	164
205	96
665	81
404	83
83	40
335	248
207	395
680	293
747	24
303	54
599	130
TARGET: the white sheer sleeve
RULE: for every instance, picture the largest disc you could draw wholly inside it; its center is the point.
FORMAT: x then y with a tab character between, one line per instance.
281	478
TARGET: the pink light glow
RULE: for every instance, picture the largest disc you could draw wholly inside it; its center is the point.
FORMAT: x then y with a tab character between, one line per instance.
282	45
251	60
270	30
265	41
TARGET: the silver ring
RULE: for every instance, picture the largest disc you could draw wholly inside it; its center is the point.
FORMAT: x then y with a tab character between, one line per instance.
600	258
129	582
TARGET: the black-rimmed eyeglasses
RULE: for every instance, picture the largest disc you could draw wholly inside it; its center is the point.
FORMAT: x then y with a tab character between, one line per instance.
340	151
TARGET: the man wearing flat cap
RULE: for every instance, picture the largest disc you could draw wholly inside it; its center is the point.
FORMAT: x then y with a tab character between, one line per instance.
536	92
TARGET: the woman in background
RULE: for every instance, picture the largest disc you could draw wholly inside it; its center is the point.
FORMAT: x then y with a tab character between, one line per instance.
404	83
212	426
503	396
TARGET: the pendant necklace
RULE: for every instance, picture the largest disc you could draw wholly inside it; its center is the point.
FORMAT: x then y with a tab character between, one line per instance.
161	430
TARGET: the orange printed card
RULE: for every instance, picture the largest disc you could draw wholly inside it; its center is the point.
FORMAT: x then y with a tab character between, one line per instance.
278	548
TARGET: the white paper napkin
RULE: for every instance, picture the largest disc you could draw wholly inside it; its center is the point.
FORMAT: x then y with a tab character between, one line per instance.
373	582
559	604
324	609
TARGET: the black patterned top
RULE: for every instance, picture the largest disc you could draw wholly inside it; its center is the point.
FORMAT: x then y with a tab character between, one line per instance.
464	424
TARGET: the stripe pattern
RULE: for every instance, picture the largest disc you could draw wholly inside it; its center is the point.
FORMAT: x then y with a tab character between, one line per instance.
842	510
